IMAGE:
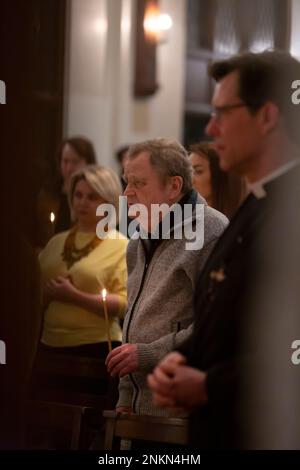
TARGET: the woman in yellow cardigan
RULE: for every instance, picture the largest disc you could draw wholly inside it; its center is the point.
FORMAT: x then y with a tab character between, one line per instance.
76	265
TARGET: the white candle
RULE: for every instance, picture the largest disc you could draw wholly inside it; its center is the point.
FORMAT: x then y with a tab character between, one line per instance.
52	217
103	294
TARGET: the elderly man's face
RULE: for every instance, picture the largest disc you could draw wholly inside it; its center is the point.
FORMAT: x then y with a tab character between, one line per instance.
237	133
144	185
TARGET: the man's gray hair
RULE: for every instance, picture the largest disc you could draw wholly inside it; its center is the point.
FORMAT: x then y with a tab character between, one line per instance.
168	157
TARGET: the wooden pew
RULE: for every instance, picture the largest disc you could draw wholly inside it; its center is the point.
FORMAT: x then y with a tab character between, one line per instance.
74	380
49	417
149	428
69	393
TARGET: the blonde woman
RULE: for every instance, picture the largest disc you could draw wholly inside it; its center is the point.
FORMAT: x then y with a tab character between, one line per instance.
76	265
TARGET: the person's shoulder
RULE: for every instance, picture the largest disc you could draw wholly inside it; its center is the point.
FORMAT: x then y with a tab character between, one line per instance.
214	220
117	240
215	223
57	239
55	244
216	216
60	235
116	235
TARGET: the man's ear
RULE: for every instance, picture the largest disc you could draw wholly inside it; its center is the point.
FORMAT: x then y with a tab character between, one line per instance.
176	184
269	117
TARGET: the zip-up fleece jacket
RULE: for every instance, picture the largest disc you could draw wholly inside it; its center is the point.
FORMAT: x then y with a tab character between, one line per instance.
160	302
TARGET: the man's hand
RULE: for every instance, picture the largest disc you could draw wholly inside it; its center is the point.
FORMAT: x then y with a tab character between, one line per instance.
176	385
122	360
161	380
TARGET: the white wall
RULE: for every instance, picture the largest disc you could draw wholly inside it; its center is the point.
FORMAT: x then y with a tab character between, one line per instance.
160	115
86	98
295	30
99	100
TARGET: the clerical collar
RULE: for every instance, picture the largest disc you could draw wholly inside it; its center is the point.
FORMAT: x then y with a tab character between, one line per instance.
258	189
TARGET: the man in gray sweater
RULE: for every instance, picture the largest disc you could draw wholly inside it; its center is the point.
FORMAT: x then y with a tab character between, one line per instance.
163	265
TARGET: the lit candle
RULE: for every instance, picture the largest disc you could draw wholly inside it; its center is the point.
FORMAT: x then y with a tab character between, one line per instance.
104	292
52	217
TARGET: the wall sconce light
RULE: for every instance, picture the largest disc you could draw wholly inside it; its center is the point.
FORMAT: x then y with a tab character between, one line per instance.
151	27
156	23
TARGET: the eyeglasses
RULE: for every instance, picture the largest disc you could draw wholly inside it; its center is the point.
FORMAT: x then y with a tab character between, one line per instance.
218	111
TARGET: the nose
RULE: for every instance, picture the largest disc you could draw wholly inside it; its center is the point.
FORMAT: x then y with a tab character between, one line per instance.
83	203
69	170
129	191
71	167
212	128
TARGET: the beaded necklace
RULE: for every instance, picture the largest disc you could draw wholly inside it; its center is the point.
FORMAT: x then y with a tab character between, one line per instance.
71	254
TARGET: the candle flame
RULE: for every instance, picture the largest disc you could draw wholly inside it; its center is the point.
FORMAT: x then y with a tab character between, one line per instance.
104	292
52	217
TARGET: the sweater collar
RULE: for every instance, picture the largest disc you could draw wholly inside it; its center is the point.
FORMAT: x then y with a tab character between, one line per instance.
151	242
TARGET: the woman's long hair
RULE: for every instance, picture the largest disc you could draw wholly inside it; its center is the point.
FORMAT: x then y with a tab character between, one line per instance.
228	190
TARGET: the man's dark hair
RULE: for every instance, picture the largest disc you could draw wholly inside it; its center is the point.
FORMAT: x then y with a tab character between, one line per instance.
121	152
265	76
